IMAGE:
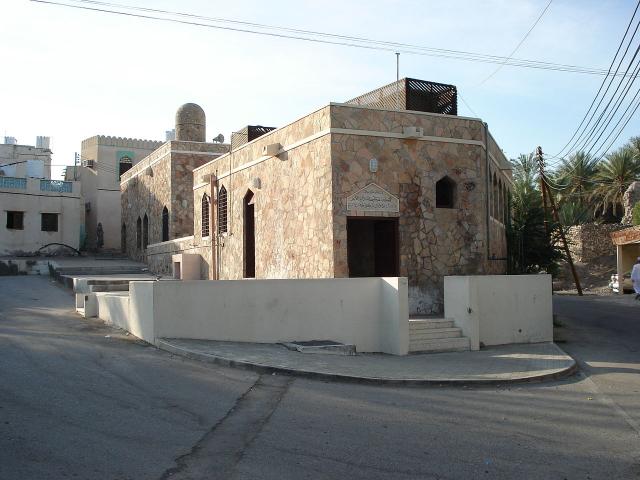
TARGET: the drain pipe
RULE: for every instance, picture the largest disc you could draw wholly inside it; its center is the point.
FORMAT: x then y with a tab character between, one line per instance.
487	175
215	247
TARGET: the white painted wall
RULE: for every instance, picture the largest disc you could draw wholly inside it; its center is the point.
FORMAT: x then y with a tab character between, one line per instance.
113	308
371	313
500	309
33	202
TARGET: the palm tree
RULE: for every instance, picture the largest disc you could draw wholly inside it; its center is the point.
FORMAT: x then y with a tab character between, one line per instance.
530	248
614	176
574	177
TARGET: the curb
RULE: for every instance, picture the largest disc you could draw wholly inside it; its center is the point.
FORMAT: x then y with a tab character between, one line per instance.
335	377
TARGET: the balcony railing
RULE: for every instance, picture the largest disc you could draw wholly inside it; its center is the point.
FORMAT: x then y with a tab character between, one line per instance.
58	186
13	182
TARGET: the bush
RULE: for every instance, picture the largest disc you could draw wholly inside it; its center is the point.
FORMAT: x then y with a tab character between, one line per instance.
635	214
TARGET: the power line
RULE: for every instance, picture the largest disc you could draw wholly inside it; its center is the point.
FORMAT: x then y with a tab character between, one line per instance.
604	80
319	37
517	46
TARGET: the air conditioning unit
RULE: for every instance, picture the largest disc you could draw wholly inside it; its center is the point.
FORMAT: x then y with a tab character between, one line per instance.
412	132
271	150
88	163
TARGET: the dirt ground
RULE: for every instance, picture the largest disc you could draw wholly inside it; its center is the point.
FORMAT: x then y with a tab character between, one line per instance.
594	276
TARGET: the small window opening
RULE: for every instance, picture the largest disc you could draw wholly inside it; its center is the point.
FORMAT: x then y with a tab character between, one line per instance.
145	231
49	222
222	211
165	224
205	215
445	193
15	220
125	165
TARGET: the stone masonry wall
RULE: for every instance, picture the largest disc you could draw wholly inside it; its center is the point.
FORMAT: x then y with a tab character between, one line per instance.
592	240
159	255
629	200
292	204
300	198
163	179
434	242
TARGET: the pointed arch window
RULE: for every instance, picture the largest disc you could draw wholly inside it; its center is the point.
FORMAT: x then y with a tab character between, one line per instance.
206	205
145	231
249	235
445	193
138	233
165	224
222	211
123	238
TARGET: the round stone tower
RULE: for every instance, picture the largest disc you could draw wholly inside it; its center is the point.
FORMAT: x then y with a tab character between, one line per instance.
191	124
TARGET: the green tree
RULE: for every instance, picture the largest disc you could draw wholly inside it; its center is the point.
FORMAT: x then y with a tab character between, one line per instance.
531	249
614	176
574	178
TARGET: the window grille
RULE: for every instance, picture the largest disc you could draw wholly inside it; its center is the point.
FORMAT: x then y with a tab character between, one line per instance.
222	211
145	231
15	220
205	215
49	222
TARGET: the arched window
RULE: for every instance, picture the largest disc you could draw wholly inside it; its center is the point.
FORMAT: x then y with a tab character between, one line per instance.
500	202
138	233
445	193
165	224
205	215
145	231
125	164
249	235
222	210
494	192
123	238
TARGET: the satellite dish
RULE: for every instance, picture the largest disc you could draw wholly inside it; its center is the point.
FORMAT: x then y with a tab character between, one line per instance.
219	138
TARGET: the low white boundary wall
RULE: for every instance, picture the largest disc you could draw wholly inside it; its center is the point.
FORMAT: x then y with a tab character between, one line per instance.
500	309
371	313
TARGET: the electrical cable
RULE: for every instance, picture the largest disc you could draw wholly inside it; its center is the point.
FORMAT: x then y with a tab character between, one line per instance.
311	36
517	46
604	80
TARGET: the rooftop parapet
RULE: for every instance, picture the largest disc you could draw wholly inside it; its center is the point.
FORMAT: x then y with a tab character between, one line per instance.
412	94
108	140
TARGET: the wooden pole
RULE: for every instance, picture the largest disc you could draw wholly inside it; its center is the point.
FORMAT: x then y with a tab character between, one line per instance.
556	217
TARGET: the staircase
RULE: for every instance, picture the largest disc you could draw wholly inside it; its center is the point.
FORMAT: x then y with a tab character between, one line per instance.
430	335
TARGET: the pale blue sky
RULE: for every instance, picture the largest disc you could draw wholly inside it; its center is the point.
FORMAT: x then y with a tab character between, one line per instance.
71	74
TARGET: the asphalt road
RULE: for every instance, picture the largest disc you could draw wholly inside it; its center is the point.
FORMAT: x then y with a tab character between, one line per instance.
81	400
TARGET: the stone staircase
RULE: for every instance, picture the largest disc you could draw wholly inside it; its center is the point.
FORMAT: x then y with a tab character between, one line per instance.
430	335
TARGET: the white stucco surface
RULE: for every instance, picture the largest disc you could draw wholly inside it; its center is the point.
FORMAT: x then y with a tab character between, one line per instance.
500	309
113	308
33	202
371	313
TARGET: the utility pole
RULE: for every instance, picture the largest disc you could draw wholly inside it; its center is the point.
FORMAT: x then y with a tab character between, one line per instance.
556	217
543	190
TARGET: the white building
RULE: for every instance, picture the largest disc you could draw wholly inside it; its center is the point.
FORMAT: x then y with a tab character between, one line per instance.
102	160
37	211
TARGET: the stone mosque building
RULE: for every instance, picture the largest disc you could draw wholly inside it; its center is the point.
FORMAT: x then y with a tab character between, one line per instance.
391	183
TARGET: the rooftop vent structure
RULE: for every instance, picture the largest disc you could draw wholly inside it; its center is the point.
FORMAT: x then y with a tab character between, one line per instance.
247	134
412	94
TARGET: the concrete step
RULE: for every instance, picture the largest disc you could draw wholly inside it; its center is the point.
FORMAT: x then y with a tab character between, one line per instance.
429	323
434	333
459	344
117	287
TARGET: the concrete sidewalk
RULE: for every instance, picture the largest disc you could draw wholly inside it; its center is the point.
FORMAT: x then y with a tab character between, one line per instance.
498	365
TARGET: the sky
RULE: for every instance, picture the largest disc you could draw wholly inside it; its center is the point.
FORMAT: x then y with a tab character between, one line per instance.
71	74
